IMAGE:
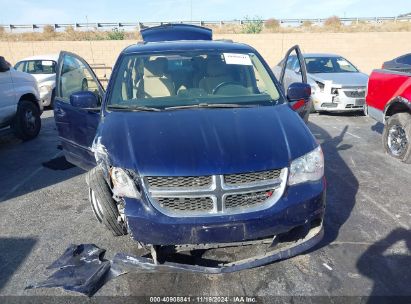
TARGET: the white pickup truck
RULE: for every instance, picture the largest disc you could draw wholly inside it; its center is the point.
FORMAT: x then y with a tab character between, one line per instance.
20	105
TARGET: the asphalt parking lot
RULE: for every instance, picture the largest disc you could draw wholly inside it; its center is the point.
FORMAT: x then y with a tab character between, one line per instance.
366	249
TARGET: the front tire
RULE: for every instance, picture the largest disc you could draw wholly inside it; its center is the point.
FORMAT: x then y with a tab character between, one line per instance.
27	123
397	137
104	206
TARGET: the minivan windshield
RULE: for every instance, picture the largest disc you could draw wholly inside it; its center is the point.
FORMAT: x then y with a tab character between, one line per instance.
191	79
36	66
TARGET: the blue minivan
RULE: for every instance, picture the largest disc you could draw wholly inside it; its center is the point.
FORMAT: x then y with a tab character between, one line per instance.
195	144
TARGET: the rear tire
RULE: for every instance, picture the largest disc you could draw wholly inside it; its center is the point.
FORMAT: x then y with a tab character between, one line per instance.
396	137
27	123
103	205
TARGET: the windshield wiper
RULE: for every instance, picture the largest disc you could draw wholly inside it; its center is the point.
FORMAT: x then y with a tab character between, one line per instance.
135	108
210	105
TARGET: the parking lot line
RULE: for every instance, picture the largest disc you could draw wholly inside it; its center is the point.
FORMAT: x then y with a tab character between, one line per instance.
353	135
385	210
25	180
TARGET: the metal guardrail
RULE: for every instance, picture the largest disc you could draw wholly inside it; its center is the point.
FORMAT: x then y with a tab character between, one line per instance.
140	25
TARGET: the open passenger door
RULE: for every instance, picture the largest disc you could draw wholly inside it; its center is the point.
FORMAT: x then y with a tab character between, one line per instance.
292	78
77	108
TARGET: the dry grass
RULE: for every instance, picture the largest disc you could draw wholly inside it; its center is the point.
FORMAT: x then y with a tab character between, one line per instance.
332	24
272	25
69	34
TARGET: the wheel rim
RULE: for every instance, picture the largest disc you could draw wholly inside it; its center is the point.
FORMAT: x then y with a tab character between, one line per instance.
30	120
397	140
95	205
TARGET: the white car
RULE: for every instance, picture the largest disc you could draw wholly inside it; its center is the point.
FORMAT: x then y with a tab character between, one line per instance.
43	69
336	84
20	105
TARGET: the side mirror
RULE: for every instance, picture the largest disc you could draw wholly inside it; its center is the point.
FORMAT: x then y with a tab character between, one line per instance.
84	100
4	65
298	90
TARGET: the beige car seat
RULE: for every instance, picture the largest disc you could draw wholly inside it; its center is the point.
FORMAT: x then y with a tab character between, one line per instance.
154	82
216	74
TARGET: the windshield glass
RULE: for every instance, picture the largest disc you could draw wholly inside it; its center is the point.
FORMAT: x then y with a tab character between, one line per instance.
36	66
329	65
185	79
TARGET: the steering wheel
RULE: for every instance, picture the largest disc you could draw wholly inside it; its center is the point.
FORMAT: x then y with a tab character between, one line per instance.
223	84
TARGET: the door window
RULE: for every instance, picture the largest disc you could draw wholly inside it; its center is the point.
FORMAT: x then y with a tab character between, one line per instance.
76	77
19	66
294	61
291	62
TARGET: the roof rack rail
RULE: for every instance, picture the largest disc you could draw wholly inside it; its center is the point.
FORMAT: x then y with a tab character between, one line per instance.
225	40
179	31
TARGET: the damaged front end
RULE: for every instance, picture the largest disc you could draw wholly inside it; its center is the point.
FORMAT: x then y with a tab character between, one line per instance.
210	223
82	268
333	97
224	258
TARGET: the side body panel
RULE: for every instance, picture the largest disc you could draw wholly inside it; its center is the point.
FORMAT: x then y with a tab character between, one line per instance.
76	128
384	87
24	83
8	103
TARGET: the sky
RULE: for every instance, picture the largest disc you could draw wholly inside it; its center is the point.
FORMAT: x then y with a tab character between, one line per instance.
63	11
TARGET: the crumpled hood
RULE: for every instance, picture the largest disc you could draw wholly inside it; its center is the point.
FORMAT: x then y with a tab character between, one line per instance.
205	141
343	79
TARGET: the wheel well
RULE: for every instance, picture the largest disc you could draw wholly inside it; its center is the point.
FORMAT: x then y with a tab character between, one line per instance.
30	97
398	107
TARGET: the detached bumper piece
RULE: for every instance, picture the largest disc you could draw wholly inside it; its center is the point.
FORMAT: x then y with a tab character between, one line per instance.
263	252
82	268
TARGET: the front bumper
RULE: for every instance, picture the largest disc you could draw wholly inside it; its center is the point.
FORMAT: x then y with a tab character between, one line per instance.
299	205
45	98
341	103
123	263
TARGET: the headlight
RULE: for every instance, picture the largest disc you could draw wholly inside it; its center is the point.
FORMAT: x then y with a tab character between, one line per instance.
45	89
309	167
123	184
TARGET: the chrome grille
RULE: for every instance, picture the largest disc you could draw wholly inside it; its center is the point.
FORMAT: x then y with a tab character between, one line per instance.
178	182
186	204
355	94
216	194
249	178
247	199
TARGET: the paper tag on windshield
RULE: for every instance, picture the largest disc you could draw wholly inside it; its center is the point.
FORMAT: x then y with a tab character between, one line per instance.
47	63
342	62
240	59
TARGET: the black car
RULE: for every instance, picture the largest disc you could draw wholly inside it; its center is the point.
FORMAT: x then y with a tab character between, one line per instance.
399	64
